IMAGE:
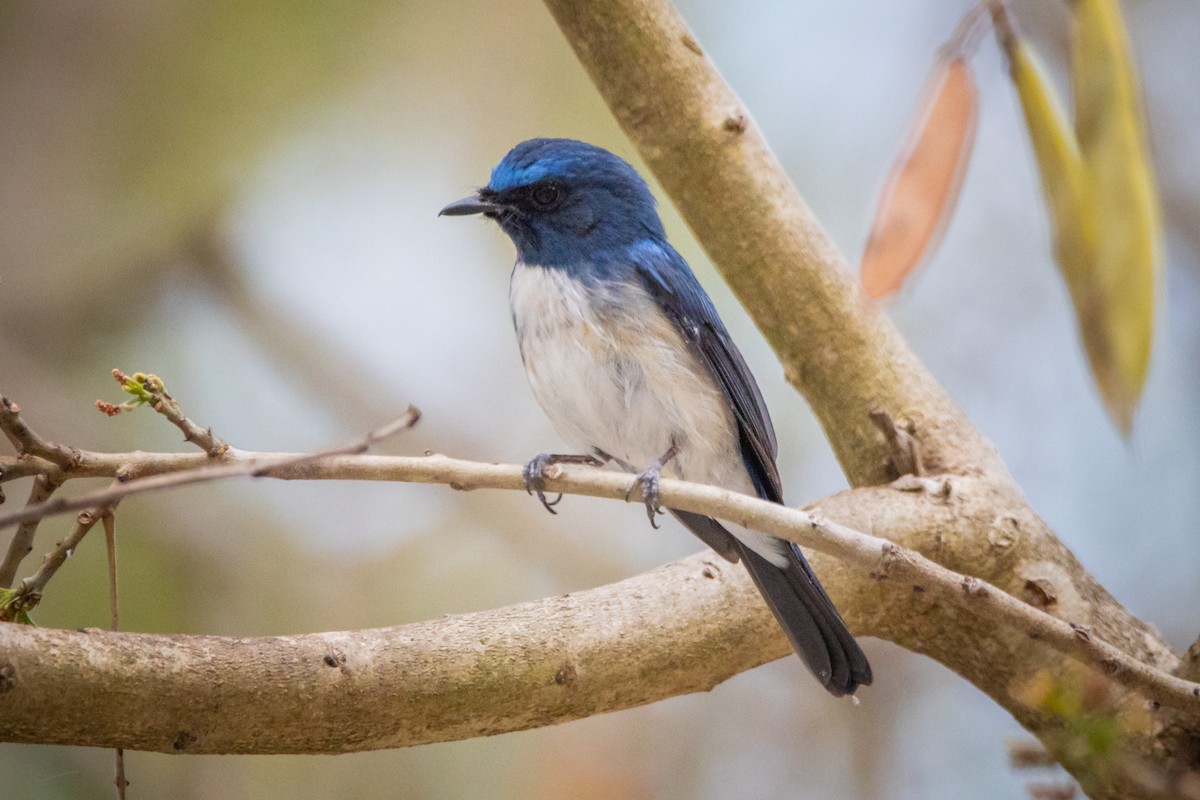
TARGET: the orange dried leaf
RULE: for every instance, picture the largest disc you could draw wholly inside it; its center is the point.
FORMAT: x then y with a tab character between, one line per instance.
923	184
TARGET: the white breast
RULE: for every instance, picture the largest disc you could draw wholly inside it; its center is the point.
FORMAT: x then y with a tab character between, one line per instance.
612	372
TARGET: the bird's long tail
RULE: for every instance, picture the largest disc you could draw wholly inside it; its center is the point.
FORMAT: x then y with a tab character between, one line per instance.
800	605
809	619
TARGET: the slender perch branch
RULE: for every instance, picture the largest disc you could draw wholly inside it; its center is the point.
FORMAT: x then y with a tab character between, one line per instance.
869	553
173	471
864	551
682	628
220	462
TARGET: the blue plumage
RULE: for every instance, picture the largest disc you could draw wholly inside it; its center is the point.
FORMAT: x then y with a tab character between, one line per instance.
626	354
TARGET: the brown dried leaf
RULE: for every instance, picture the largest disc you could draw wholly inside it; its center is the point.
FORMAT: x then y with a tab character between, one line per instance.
924	182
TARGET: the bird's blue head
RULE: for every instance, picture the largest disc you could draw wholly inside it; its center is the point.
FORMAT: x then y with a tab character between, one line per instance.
565	203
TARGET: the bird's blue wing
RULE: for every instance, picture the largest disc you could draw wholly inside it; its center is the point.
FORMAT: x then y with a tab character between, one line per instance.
793	592
674	287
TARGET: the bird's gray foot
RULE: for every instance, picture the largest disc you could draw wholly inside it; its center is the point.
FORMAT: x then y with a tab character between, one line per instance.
647	481
534	475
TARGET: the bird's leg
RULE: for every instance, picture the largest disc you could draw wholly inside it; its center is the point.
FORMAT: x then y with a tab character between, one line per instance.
534	474
647	480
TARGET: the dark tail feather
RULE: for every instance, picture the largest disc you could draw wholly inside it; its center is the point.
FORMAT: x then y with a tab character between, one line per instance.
809	619
800	605
711	532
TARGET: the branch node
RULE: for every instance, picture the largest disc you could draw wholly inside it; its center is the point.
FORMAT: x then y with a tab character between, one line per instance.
902	451
8	677
1004	532
567	675
1040	593
891	556
735	122
973	587
335	659
184	740
691	44
28	443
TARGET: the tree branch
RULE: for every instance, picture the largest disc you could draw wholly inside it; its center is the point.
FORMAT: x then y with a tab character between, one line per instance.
22	542
171	470
878	557
28	443
29	593
710	157
845	358
150	390
656	635
682	628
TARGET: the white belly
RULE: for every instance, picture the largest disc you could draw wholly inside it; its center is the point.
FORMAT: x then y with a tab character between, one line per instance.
612	372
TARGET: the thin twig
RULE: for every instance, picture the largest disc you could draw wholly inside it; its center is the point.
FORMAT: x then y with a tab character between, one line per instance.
405	421
119	779
13	468
119	491
903	449
184	471
26	441
29	593
100	504
154	392
110	541
22	541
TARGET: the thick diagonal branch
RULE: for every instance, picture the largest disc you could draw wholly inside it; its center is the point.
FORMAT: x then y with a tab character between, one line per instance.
844	357
709	156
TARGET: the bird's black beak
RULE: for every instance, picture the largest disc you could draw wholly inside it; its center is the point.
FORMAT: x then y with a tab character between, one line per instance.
469	205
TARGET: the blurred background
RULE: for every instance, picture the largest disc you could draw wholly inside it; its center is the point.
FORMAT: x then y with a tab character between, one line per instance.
242	198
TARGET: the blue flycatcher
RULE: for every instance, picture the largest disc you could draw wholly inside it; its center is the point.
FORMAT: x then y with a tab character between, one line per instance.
626	354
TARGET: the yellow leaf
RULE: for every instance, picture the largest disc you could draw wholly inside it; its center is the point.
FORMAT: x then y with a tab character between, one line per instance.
1109	124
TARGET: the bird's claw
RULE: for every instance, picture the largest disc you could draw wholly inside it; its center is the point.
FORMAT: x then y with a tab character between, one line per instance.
535	473
647	482
534	478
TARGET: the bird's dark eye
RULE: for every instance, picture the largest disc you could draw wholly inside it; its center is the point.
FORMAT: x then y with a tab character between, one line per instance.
545	196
